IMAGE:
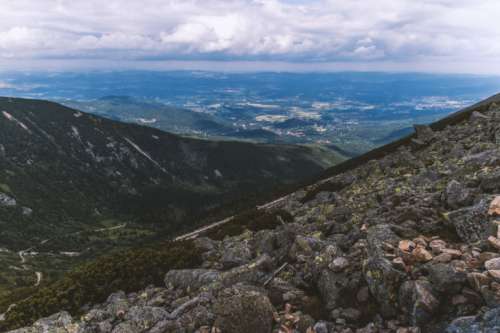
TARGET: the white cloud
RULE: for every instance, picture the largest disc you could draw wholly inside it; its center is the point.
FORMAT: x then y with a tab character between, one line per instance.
458	31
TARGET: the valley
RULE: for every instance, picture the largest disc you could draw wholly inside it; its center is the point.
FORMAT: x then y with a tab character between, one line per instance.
74	186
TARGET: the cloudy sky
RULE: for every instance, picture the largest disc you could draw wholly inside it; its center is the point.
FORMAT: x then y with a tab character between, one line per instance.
408	35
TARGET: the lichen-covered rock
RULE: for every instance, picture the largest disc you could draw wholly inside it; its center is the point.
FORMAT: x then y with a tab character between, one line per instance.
471	223
447	278
61	322
243	309
235	254
418	302
457	195
383	281
193	279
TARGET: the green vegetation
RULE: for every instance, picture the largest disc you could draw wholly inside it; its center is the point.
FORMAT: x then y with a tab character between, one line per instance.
92	283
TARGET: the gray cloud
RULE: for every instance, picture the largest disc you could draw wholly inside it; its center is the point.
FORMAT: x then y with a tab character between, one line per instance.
359	31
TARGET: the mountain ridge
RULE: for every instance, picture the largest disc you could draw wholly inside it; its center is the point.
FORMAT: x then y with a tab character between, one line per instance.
69	179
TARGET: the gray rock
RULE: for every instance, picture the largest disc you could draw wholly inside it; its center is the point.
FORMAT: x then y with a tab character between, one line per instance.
378	236
478	116
383	281
492	264
457	195
7	201
487	323
236	254
424	133
331	286
418	302
60	322
339	264
351	314
145	317
265	242
193	279
471	223
243	309
252	273
204	244
447	278
126	327
321	327
490	181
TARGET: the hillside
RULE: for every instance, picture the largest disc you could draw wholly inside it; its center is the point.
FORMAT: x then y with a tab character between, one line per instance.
73	185
403	239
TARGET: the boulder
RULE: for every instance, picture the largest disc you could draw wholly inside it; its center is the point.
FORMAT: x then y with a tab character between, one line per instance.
339	264
490	181
243	309
418	302
192	279
446	277
471	223
236	254
383	281
59	322
457	195
487	323
331	286
492	264
424	133
253	273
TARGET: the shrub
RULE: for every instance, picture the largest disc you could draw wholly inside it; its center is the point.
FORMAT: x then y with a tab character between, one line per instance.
93	282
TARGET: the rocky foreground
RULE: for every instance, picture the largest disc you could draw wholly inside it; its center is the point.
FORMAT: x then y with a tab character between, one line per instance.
407	243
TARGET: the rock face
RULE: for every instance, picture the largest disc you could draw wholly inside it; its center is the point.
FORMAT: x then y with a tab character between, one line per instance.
404	244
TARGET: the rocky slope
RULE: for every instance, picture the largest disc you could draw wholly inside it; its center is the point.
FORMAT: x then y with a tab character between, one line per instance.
408	242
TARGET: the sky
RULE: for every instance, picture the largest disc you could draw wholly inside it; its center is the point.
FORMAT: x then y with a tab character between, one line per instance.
456	36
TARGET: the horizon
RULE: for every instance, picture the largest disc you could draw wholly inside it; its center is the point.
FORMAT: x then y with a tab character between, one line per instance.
270	68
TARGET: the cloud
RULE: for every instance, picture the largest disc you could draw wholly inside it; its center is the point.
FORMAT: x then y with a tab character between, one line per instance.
256	30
